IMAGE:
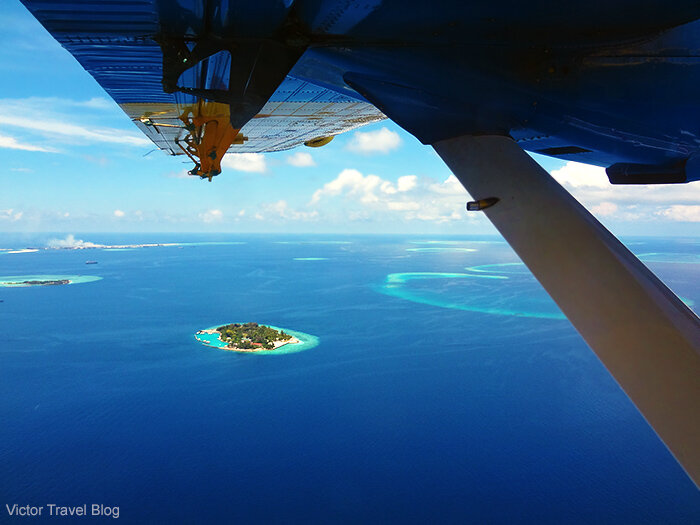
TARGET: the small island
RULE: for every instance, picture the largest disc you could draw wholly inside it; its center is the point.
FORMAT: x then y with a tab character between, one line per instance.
28	281
251	337
38	283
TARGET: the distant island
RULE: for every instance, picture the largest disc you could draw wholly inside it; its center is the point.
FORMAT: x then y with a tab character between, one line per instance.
26	281
38	283
251	337
90	246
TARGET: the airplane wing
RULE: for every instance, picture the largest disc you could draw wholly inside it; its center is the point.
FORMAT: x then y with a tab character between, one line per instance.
612	83
129	48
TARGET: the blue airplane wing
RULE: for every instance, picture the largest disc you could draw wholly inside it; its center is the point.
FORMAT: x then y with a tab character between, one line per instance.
117	42
573	87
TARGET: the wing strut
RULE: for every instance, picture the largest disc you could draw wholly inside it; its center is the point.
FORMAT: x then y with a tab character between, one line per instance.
645	336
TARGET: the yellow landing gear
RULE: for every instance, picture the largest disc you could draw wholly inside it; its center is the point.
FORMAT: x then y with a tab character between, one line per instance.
209	136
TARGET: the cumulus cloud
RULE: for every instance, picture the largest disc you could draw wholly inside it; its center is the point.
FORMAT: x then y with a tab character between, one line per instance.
213	215
367	197
71	242
119	213
590	186
450	186
12	143
368	188
349	181
251	162
381	141
577	175
681	213
301	159
406	183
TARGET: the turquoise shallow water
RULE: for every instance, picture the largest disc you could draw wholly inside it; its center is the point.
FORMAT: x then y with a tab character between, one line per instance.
670	258
442	249
313	242
211	243
307	341
7	281
511	291
453	243
514	267
310	258
518	268
518	296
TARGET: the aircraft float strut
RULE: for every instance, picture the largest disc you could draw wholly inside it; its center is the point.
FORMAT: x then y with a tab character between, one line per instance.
645	336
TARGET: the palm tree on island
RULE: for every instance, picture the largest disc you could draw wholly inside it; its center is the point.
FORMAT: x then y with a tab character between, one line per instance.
253	337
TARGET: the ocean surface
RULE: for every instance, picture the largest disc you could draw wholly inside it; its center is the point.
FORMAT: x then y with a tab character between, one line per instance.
445	387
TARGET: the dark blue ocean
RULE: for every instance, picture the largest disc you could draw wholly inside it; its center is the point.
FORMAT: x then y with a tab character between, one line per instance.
445	387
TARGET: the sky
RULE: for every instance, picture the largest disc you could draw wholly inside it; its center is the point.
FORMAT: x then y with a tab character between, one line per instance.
72	161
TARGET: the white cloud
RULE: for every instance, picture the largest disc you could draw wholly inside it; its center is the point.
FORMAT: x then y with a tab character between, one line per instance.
577	175
301	159
450	186
67	120
281	210
182	174
71	242
119	213
406	183
604	209
369	197
403	205
381	141
212	216
681	213
351	182
251	162
97	103
590	186
10	215
12	143
66	130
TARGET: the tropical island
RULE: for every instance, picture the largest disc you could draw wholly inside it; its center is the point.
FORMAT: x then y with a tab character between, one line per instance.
37	283
26	281
251	337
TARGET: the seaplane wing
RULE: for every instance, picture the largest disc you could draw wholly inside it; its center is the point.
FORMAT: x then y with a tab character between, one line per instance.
611	82
133	49
298	113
